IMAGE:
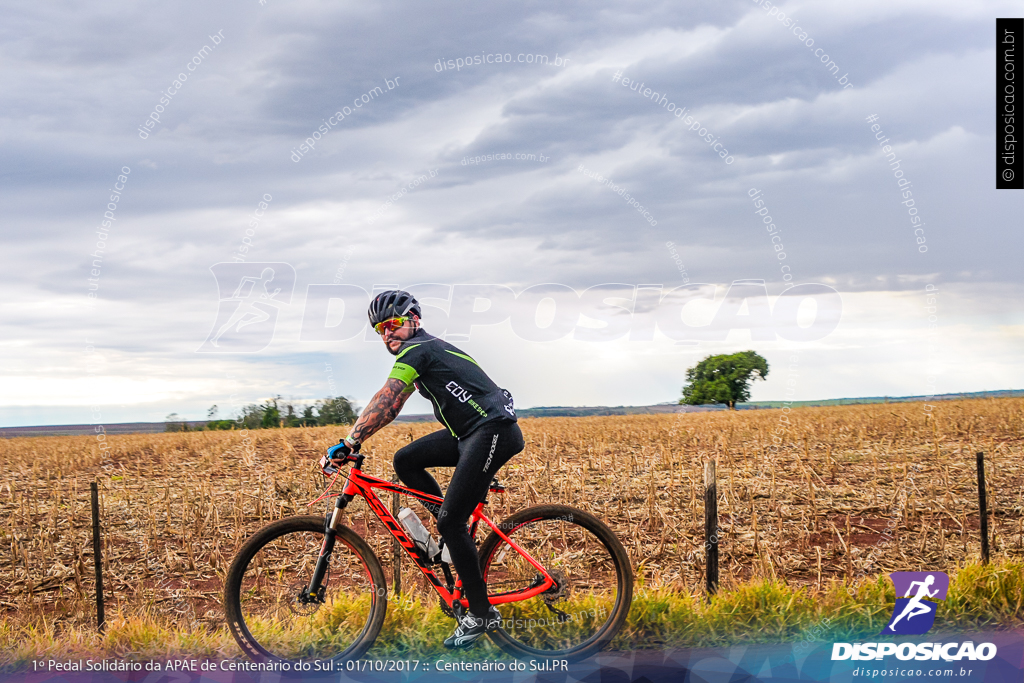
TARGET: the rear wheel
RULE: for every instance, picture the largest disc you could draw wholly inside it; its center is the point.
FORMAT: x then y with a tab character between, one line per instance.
267	612
583	612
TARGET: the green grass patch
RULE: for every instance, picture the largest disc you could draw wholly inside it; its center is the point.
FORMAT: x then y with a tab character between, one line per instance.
980	597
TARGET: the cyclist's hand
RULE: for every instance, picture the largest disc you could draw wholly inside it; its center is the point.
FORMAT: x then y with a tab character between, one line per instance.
341	452
337	456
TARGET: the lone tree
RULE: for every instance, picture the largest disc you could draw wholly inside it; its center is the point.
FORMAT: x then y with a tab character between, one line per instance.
723	379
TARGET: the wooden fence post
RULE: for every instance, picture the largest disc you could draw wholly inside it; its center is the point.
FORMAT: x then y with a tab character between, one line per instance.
711	526
983	508
97	558
396	551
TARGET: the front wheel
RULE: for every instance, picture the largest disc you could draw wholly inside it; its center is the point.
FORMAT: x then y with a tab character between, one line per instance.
271	617
582	613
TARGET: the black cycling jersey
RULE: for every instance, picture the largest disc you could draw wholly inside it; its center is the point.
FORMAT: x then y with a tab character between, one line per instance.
462	394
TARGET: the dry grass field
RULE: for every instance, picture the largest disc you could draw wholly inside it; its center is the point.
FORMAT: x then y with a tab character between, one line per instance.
851	492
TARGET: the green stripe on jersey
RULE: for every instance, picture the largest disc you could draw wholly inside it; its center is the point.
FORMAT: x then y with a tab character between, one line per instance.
406	350
438	406
462	355
406	373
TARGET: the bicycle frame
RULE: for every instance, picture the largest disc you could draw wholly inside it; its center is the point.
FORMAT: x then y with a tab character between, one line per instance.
363	485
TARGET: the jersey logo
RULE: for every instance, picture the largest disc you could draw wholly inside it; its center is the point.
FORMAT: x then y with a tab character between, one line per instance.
490	456
509	407
458	392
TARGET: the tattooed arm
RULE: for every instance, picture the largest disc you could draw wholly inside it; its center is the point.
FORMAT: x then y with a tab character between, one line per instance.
382	409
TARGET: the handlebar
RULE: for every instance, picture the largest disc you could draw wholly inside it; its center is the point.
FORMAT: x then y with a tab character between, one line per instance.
331	467
330	462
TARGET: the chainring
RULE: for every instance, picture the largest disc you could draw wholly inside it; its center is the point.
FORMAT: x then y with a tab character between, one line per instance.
456	613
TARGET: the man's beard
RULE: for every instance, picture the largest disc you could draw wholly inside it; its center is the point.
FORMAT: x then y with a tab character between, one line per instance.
400	342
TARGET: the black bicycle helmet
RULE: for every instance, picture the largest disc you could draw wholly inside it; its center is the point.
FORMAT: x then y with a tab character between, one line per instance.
391	304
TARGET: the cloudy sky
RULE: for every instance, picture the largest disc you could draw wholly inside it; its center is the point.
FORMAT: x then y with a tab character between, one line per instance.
388	195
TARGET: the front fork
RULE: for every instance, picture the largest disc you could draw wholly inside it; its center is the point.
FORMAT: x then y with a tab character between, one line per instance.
315	591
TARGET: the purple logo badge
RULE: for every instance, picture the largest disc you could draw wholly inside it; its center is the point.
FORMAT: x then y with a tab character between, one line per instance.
914	612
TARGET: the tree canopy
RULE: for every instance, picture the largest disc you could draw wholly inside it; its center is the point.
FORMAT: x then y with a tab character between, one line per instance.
273	413
723	379
277	413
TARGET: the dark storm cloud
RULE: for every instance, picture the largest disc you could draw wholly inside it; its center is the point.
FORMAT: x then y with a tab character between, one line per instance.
78	82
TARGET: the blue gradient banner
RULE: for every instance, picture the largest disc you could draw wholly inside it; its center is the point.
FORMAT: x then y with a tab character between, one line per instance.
810	662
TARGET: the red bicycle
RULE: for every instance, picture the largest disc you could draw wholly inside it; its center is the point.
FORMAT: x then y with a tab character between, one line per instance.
308	587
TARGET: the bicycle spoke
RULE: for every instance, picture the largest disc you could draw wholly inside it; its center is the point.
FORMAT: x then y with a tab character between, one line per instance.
586	600
282	619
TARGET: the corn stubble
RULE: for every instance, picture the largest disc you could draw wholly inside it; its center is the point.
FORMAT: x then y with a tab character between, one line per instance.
850	494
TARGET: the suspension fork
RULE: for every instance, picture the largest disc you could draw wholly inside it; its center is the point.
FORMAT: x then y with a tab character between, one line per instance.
315	591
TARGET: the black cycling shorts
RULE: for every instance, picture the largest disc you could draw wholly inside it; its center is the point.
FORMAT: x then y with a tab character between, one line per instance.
476	458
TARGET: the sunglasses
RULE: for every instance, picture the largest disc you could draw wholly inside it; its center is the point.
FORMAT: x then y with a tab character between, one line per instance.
390	325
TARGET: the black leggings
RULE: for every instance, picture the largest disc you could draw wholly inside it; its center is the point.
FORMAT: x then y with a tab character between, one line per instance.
475	458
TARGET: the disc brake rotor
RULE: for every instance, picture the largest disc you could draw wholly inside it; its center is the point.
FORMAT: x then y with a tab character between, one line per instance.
299	605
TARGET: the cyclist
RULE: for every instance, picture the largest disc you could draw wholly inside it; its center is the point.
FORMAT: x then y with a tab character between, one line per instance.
481	436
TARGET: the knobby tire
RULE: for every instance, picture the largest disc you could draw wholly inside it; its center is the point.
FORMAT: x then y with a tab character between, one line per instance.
528	519
295	528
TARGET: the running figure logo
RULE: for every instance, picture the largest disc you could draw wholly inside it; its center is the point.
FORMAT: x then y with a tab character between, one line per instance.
251	296
914	613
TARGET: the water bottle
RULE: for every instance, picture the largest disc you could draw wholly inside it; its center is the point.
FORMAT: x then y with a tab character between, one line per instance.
419	534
